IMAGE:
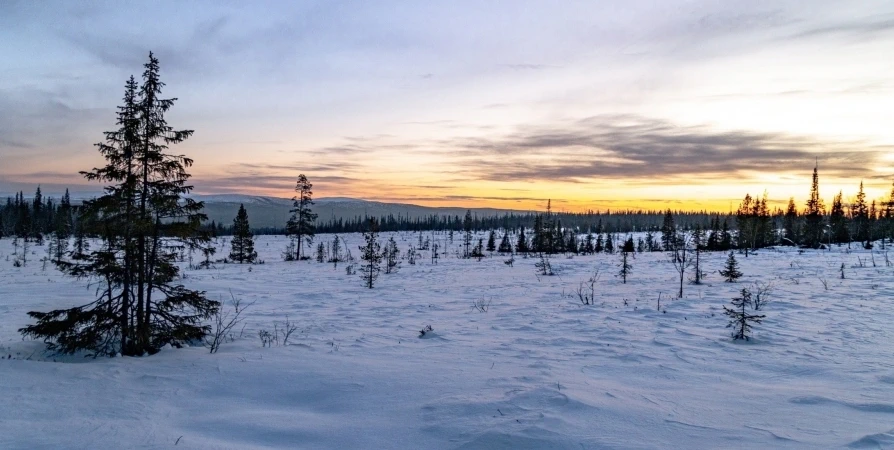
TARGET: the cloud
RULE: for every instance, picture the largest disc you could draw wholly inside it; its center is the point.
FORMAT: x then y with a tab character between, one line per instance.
866	28
529	66
637	148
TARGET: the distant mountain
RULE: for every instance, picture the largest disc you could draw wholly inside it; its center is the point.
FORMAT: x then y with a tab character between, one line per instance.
274	212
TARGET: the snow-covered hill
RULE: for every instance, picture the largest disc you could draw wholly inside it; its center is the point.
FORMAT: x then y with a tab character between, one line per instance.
274	212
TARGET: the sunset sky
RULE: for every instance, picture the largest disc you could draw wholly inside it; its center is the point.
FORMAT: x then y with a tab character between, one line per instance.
595	104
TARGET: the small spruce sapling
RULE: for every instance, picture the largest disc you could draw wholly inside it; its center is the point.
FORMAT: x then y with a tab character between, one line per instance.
739	319
731	271
371	254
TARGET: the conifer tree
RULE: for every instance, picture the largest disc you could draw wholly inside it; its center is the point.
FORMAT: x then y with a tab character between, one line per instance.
589	246
467	234
626	267
478	251
492	241
521	245
790	224
731	271
698	244
336	251
371	253
505	245
889	216
609	245
144	221
813	215
861	219
838	222
739	319
726	238
62	228
391	256
301	226
650	242
321	252
242	246
668	232
37	217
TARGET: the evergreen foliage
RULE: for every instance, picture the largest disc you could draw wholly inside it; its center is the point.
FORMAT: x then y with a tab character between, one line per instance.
739	319
242	246
144	222
731	272
813	216
301	226
371	253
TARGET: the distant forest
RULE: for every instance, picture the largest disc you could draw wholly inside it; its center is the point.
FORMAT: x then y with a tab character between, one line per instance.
752	225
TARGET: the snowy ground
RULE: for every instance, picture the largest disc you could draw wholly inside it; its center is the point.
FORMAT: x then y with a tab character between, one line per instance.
537	370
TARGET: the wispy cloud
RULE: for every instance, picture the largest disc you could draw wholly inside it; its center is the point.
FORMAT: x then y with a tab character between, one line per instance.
632	148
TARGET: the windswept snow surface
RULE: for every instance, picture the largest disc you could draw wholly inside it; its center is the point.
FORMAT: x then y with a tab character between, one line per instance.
537	370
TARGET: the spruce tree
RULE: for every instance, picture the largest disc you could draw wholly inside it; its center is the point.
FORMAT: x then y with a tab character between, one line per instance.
37	217
861	219
467	234
336	251
739	319
589	247
492	241
301	226
62	228
521	245
698	245
813	215
371	253
668	232
626	267
838	222
321	252
391	256
242	246
144	222
731	271
889	216
478	251
790	224
505	245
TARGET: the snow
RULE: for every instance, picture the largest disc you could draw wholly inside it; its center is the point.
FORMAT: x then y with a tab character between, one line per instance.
538	370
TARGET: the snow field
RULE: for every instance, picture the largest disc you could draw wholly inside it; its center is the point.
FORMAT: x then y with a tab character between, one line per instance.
537	370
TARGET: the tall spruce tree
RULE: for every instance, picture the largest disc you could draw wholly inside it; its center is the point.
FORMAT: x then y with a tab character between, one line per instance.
242	246
144	222
813	215
301	226
861	219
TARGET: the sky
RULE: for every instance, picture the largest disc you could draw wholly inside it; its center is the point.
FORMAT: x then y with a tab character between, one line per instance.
687	104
